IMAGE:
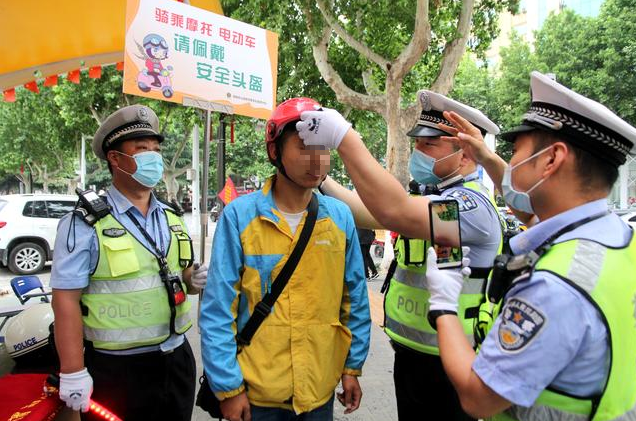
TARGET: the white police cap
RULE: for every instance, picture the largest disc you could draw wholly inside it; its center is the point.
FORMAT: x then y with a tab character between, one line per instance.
127	123
584	123
433	104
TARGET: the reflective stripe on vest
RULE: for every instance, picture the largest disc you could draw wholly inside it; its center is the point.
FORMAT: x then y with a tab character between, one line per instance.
605	276
418	280
416	336
128	285
139	336
126	304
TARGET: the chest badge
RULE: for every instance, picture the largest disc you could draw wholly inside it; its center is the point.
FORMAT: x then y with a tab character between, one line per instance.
176	228
114	232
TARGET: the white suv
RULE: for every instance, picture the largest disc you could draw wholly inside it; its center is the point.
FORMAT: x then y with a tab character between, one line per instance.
28	224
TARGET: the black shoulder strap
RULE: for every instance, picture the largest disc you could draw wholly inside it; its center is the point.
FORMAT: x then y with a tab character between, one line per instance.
264	307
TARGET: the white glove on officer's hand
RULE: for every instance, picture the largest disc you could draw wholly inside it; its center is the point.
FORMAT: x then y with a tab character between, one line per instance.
445	285
199	276
76	389
323	127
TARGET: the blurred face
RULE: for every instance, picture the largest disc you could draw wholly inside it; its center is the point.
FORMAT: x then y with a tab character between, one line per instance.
438	149
305	165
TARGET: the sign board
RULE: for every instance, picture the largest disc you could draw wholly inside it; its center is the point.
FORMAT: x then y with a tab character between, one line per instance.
180	53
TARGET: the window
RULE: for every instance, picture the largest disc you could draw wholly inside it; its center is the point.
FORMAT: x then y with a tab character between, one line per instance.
59	208
28	209
39	210
35	209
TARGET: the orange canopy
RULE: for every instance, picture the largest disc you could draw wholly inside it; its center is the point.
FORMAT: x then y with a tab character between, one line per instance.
43	38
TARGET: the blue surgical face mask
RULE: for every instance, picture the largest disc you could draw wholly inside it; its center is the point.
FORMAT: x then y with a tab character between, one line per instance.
421	167
514	198
149	168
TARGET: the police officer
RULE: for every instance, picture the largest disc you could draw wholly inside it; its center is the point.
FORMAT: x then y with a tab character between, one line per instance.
120	276
564	345
421	386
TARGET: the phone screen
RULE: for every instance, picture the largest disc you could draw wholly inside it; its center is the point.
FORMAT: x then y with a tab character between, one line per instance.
445	232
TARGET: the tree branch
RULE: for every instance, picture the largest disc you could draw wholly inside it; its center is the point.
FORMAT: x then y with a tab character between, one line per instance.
178	152
369	84
95	115
357	45
344	94
454	50
418	44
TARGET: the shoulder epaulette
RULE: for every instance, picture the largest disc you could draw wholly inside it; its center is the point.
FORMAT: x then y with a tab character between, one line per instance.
173	206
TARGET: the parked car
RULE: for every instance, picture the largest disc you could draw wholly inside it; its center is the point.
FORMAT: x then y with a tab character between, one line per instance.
630	218
28	224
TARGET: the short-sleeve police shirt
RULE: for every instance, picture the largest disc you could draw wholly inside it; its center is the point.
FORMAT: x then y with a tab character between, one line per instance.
564	341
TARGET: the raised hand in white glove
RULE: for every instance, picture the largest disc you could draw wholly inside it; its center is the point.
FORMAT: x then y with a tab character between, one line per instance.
445	285
76	389
199	276
323	127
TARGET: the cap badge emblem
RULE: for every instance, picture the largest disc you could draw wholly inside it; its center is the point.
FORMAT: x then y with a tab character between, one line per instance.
425	100
142	113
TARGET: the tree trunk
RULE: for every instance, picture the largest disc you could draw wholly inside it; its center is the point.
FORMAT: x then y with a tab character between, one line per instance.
397	144
172	186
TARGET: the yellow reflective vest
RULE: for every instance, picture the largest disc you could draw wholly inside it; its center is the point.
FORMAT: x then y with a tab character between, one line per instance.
125	304
406	300
605	276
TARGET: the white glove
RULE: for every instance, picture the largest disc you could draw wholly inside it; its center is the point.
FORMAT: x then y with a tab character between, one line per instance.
76	389
323	127
445	285
199	276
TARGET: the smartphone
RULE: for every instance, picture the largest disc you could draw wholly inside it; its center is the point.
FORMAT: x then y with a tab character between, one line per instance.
445	232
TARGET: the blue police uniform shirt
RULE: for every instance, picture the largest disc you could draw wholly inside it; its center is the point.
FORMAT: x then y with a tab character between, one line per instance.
479	223
76	249
568	347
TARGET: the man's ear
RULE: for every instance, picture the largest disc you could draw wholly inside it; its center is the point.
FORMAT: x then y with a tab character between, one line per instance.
271	150
555	158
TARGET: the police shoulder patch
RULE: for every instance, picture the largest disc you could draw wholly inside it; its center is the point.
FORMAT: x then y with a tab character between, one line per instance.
466	200
520	325
114	232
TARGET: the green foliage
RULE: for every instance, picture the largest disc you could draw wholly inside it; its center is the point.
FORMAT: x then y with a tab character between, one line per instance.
386	27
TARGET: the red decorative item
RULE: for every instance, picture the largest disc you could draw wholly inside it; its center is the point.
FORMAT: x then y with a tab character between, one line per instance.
229	192
32	86
120	66
73	76
9	95
232	131
50	80
23	399
95	72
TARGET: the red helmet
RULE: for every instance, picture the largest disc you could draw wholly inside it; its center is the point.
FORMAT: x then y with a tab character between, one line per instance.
287	112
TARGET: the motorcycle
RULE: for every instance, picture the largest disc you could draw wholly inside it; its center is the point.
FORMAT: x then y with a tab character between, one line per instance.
146	81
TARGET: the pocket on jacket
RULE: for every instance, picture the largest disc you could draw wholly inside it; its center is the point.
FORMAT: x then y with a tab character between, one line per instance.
121	256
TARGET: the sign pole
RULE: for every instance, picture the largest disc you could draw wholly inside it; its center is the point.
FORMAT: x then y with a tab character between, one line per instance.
204	185
220	156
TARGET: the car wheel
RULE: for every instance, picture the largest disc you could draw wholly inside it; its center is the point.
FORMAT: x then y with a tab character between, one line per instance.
26	259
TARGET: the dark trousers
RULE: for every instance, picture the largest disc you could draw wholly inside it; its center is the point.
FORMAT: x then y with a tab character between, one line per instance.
369	265
149	386
322	413
422	389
